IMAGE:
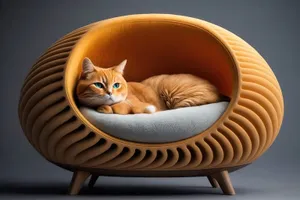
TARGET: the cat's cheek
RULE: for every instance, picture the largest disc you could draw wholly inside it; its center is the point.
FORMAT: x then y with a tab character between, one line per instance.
124	96
119	99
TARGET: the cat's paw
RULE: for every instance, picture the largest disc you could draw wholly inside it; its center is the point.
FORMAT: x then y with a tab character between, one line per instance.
150	109
105	109
121	109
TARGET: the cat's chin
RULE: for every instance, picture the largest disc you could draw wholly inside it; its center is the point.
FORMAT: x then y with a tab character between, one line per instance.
96	103
111	102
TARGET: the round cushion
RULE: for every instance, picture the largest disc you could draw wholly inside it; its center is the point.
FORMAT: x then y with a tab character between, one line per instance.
159	127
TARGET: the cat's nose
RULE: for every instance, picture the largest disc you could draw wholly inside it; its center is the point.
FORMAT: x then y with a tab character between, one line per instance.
109	93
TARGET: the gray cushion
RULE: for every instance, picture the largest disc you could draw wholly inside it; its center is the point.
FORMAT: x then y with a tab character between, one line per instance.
159	127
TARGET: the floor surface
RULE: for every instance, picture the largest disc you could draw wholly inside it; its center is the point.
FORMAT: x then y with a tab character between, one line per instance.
249	183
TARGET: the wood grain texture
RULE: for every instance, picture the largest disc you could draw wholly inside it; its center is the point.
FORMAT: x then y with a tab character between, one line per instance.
77	181
214	183
223	179
53	124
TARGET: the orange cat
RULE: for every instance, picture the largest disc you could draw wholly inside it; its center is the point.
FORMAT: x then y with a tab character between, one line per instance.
106	90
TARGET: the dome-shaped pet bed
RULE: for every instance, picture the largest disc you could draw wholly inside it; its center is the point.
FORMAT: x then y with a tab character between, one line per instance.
153	44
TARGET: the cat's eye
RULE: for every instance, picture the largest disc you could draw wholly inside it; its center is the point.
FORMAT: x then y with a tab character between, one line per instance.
116	85
99	85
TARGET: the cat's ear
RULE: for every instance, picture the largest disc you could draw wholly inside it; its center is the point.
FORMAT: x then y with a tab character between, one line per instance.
87	67
120	68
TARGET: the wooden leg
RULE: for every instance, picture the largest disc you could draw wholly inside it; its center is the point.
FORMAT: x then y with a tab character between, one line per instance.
224	181
214	183
77	180
93	181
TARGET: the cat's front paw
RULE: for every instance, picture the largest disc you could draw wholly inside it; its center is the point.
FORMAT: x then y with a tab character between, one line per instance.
105	109
150	109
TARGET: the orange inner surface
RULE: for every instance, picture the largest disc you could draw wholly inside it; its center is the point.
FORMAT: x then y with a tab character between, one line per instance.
153	48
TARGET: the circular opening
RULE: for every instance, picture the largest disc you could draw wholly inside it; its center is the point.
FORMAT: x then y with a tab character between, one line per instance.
153	46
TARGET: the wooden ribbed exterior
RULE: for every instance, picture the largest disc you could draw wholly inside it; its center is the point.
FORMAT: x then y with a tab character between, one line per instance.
245	131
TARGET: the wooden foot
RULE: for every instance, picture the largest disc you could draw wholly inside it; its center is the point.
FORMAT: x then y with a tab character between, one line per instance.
224	181
93	181
214	183
77	180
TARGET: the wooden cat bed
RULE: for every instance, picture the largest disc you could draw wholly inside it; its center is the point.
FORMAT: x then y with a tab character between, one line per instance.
153	44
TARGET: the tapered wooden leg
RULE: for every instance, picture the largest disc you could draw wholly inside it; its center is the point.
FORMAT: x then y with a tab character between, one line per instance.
224	182
93	181
77	180
214	183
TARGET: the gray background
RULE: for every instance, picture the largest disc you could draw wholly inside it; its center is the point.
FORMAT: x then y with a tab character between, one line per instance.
27	28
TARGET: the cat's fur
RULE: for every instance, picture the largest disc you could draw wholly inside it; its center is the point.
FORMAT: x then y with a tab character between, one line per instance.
154	94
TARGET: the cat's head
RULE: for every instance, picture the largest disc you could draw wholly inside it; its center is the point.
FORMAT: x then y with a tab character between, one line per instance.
101	86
